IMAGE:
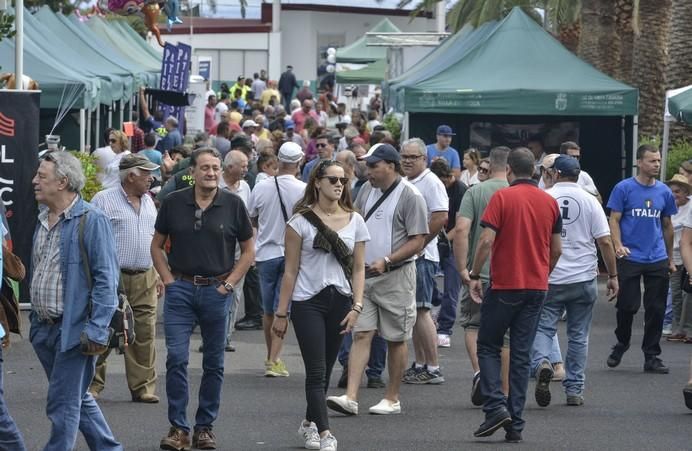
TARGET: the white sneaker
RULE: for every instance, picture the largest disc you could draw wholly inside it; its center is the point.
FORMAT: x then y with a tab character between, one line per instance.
386	407
443	341
328	443
668	330
310	435
343	405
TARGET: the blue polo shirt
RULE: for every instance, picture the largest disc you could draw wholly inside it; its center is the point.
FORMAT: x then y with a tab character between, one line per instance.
450	154
642	208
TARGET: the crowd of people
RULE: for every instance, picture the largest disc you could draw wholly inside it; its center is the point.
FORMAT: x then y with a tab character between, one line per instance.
315	216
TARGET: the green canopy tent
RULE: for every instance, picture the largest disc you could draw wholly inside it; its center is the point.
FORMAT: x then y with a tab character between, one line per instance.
678	107
359	52
372	74
156	53
514	72
125	43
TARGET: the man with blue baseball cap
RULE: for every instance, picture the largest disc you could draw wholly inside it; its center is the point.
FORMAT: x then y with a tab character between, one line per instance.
397	219
443	149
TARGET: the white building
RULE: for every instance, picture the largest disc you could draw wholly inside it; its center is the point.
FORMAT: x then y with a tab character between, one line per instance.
299	38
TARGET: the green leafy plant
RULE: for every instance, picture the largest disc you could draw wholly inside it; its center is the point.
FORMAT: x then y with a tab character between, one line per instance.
678	152
392	124
91	170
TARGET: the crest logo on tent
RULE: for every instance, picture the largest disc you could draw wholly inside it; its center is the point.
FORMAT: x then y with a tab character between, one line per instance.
6	126
561	102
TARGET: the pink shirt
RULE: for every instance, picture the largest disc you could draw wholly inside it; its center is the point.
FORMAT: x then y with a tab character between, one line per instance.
299	118
209	123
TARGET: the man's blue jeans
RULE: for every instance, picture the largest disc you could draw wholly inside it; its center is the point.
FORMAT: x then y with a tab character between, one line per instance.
10	437
518	311
70	407
449	299
578	299
186	305
378	355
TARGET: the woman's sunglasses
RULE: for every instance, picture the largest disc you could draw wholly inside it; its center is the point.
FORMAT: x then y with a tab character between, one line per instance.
333	179
483	170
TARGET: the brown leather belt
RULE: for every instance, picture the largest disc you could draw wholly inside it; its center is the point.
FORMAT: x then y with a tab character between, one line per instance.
201	280
133	272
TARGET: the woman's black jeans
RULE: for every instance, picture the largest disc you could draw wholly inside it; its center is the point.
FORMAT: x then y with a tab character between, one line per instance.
316	323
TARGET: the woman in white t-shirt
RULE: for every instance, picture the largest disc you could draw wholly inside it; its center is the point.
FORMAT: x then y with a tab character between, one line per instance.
325	302
471	160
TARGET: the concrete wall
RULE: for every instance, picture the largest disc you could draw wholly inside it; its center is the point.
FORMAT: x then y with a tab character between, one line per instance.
301	30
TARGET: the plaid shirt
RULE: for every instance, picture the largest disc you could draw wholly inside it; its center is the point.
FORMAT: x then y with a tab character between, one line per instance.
133	229
46	284
137	140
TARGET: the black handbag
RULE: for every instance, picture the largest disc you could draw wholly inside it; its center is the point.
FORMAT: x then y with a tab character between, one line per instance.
685	280
122	324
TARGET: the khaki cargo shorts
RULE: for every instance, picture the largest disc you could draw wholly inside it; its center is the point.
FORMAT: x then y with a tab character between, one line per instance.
389	304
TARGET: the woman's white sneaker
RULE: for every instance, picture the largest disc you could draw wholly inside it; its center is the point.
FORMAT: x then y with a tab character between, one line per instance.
386	407
310	435
328	443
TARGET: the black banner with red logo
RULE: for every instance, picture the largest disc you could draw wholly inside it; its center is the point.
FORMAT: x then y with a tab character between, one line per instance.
19	129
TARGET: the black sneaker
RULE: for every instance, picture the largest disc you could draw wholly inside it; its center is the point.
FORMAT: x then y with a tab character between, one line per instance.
426	376
476	395
687	393
616	356
376	382
575	400
513	437
655	365
343	380
544	374
493	423
249	324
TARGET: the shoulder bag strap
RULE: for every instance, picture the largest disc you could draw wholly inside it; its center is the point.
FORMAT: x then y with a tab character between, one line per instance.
283	209
381	199
332	237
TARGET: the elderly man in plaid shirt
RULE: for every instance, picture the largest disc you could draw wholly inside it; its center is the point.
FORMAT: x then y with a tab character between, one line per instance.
132	214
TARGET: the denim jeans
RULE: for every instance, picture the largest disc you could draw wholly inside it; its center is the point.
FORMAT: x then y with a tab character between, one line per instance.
186	305
378	355
318	330
270	274
425	281
10	437
449	299
233	309
69	405
518	311
578	299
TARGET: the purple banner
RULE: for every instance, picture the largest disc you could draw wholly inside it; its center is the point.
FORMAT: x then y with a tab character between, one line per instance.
181	76
168	68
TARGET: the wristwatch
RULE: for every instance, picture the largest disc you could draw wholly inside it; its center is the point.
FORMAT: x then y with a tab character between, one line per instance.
473	276
387	263
228	286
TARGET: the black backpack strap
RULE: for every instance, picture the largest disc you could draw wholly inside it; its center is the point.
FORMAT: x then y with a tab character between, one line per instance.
283	209
382	199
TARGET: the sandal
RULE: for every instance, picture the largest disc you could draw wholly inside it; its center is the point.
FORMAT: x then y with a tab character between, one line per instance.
677	337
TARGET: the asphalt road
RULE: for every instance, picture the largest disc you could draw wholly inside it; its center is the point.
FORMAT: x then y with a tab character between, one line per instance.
624	408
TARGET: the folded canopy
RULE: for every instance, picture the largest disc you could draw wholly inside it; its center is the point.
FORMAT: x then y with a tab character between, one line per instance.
373	73
680	105
359	52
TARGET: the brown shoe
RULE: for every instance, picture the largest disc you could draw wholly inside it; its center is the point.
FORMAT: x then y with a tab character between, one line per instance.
146	398
176	440
203	438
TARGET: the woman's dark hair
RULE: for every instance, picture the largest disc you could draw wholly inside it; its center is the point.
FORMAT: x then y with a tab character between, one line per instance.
311	195
441	168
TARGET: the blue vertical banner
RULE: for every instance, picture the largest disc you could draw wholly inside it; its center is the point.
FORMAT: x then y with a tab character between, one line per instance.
169	64
181	76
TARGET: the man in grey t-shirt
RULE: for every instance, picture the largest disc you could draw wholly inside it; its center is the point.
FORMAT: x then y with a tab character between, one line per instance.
397	220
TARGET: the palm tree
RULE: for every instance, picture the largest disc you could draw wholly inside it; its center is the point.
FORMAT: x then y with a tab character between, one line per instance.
679	69
599	43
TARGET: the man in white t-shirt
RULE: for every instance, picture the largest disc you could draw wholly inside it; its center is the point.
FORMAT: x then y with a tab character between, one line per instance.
270	206
425	369
573	150
572	284
397	220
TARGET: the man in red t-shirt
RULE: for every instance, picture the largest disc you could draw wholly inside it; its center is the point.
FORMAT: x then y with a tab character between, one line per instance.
300	116
522	225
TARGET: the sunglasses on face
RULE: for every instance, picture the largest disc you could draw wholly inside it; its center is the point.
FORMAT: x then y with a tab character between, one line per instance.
321	145
333	179
111	141
483	170
197	226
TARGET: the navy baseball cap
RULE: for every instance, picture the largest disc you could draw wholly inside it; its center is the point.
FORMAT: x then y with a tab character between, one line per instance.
445	130
382	152
567	165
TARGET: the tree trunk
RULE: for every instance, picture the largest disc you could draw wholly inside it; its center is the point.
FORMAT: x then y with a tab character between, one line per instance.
679	70
623	26
650	61
599	42
569	35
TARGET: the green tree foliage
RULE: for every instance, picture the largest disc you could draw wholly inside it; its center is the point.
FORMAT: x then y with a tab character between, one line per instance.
92	185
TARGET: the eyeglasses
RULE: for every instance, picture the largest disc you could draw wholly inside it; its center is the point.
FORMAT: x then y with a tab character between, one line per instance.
333	179
198	220
111	141
411	157
483	170
321	145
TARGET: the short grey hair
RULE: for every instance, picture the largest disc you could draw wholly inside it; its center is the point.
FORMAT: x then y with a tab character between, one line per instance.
233	158
350	159
68	166
417	142
172	120
125	172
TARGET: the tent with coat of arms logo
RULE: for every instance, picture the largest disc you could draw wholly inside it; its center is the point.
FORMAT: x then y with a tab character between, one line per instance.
514	72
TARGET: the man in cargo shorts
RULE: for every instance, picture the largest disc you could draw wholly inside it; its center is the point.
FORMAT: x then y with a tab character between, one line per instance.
396	216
